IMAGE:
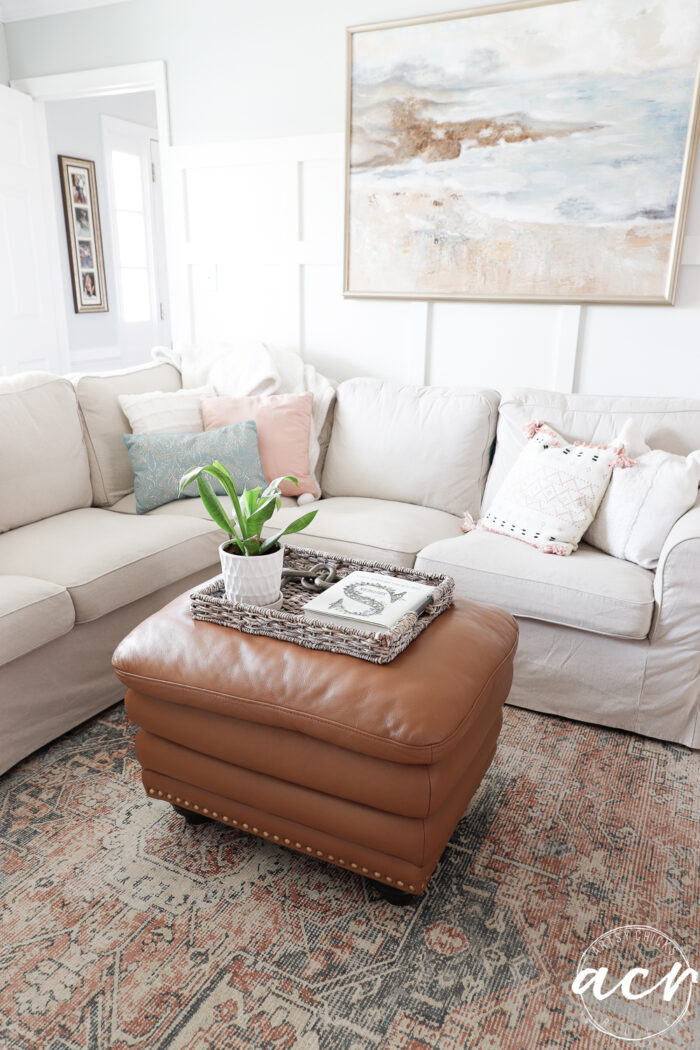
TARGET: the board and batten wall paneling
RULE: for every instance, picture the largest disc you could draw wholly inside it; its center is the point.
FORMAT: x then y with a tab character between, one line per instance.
259	245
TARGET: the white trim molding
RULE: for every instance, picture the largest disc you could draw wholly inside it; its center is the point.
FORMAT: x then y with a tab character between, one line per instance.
112	80
21	10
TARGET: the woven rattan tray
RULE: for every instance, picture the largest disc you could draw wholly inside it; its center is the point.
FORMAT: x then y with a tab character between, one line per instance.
288	624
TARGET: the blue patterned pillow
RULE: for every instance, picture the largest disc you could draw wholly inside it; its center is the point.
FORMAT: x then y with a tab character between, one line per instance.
159	461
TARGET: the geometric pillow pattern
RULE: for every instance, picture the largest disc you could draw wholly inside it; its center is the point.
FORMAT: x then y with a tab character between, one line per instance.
552	492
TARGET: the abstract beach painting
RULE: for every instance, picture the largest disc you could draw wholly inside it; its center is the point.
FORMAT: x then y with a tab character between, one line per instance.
522	151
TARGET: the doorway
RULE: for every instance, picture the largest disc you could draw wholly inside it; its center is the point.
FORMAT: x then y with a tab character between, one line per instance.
118	119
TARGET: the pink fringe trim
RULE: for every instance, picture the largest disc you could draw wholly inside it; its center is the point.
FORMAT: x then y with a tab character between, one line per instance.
622	461
467	524
531	429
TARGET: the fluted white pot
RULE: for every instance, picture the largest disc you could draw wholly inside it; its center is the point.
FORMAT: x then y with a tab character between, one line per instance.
254	580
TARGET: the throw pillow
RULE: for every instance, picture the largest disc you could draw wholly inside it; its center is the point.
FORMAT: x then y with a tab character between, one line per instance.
160	460
285	433
642	505
176	412
551	494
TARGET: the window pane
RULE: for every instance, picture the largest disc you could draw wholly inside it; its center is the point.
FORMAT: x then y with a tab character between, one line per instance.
131	233
128	188
136	297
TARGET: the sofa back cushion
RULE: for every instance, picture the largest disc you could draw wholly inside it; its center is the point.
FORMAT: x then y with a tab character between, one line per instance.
424	445
43	460
672	424
105	423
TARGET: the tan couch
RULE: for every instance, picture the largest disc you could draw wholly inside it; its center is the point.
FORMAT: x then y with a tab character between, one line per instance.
602	640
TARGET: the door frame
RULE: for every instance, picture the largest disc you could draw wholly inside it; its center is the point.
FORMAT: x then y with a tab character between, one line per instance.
120	80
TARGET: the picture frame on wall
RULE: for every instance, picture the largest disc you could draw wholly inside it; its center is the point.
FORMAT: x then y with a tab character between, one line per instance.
530	151
84	234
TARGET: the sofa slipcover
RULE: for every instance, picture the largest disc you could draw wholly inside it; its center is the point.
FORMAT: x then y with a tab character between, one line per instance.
378	530
424	445
589	590
107	560
32	613
105	423
43	460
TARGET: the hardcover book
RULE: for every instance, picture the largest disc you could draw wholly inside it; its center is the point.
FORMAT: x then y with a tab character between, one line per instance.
369	601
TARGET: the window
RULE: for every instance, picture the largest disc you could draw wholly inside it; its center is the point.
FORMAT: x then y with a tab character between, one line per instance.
131	232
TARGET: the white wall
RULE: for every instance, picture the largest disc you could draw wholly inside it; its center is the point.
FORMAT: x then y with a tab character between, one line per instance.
240	72
75	130
4	62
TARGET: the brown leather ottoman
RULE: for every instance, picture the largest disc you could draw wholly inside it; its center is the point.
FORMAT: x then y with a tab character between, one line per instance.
368	767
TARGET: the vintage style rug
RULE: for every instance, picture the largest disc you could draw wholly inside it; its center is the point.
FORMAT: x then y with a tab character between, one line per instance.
121	927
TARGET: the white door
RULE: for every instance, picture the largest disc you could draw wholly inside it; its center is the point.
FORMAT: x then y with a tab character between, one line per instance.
32	324
136	216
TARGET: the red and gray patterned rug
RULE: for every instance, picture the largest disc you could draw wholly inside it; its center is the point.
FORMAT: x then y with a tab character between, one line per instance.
124	928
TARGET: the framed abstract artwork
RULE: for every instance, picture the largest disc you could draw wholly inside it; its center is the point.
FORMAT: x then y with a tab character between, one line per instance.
84	235
533	151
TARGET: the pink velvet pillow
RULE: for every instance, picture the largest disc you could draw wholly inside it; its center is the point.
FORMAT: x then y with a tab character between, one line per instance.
284	433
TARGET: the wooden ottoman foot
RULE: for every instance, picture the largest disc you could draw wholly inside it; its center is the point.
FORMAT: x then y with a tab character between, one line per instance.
190	817
394	896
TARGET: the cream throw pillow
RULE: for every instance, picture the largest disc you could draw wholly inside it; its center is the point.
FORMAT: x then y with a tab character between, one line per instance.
642	505
552	492
175	412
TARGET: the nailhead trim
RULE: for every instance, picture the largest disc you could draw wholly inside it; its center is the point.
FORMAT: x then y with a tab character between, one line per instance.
287	842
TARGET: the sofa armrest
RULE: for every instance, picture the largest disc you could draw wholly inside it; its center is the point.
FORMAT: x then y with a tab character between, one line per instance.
677	581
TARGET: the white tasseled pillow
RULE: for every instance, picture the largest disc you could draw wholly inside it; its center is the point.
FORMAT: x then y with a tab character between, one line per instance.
176	412
641	506
552	492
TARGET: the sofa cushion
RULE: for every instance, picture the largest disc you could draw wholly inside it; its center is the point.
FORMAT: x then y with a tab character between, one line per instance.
105	423
32	613
377	530
108	560
424	445
188	508
590	590
43	459
672	424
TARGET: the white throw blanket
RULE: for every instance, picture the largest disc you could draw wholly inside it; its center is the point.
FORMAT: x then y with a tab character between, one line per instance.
248	368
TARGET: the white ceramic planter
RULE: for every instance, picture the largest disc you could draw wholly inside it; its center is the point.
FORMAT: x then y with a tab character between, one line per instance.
254	580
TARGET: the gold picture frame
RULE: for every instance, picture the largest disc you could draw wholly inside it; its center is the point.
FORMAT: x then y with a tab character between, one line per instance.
404	240
84	234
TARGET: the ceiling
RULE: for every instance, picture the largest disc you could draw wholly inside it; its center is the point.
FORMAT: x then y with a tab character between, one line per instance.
16	10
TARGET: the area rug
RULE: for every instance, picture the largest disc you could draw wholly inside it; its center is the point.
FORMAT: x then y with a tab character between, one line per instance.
124	928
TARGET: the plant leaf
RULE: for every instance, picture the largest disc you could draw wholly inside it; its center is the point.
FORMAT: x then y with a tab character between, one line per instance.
219	471
212	506
294	526
249	499
188	478
262	514
275	484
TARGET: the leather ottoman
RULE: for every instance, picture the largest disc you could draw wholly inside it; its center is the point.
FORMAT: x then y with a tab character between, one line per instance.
367	767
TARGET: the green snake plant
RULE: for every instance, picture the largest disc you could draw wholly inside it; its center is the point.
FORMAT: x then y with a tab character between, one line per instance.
251	509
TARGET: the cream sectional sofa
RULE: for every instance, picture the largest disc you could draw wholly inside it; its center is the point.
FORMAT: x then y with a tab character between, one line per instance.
602	640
